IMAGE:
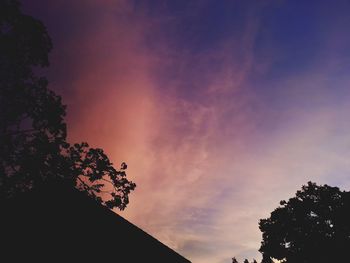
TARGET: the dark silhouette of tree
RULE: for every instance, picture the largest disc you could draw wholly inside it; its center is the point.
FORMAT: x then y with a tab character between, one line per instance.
313	226
266	259
32	128
234	260
246	261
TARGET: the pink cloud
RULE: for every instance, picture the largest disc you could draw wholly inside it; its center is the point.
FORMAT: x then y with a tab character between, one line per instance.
206	171
178	151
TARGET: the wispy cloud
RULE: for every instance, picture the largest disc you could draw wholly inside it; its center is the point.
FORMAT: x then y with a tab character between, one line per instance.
214	132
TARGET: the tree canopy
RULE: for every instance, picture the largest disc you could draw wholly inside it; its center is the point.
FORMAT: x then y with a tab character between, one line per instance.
312	227
33	132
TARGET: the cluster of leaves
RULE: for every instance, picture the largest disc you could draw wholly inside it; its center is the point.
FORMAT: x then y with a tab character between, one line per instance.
313	226
32	128
93	170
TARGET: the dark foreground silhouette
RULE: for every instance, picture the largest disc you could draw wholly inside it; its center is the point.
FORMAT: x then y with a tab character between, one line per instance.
33	132
56	222
312	227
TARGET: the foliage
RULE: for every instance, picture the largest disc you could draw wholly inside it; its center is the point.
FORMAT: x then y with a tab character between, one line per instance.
32	128
313	226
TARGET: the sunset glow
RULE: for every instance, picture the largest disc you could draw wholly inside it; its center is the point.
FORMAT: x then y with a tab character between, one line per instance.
220	108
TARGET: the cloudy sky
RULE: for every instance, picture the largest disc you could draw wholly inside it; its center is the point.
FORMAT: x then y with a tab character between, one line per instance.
220	108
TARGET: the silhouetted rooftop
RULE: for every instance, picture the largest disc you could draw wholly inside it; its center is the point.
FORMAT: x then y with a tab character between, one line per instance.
59	223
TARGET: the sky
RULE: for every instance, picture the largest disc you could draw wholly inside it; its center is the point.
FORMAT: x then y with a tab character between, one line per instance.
220	108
